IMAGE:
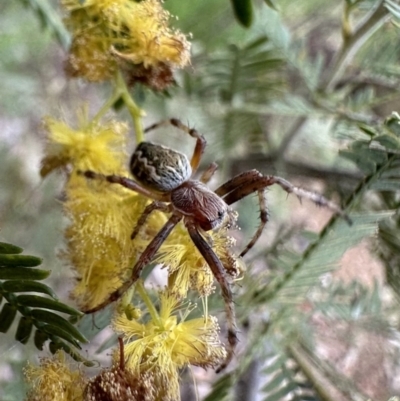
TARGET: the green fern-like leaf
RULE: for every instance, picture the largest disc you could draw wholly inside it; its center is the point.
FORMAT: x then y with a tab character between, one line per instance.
296	274
18	280
243	10
321	257
233	78
376	150
248	72
283	379
221	388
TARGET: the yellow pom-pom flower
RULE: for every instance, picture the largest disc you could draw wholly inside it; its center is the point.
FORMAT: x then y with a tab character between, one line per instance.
110	31
151	41
54	379
96	147
186	266
101	215
99	247
166	344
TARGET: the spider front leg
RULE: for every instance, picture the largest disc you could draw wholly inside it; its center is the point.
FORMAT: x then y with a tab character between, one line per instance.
125	182
207	174
200	140
235	183
219	273
145	258
146	213
253	181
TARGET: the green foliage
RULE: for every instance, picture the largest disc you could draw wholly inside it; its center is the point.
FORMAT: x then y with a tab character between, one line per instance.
221	388
285	379
50	19
243	11
376	151
271	94
17	276
295	274
354	303
234	78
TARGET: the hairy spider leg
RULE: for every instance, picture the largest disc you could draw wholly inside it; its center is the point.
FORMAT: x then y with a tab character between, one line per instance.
240	181
252	181
125	182
145	258
207	174
200	140
263	221
219	273
146	213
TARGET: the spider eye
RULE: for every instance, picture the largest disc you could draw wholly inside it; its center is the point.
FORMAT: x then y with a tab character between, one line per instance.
159	168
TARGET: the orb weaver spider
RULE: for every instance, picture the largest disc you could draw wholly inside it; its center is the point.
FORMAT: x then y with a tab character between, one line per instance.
166	177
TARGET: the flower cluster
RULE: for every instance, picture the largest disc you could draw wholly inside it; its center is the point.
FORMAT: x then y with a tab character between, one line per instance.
101	216
55	379
186	266
99	248
166	343
145	369
109	34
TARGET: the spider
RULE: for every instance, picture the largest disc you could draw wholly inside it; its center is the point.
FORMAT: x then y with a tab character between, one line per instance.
166	176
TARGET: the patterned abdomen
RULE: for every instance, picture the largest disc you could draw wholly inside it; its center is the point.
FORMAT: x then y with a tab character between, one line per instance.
159	168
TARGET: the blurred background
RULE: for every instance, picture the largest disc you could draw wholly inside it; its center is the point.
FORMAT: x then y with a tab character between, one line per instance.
283	96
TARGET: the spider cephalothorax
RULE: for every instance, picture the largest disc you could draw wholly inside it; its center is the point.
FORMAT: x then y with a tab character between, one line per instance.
166	176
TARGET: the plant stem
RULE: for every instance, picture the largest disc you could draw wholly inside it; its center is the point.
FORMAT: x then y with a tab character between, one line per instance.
134	110
122	91
372	21
328	383
146	299
350	46
106	106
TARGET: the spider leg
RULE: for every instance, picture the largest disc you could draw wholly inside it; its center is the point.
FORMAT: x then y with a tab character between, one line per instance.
207	175
146	213
237	182
200	140
219	273
125	182
252	181
145	258
263	221
234	182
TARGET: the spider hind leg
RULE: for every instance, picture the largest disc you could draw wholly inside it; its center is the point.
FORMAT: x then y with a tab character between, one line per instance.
145	258
219	273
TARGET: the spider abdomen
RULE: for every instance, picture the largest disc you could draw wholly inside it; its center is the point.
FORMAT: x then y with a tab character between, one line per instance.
195	200
159	168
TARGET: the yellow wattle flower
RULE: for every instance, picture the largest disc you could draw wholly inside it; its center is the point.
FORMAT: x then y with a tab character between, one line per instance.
99	248
122	33
100	148
151	40
163	346
101	215
186	266
54	379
